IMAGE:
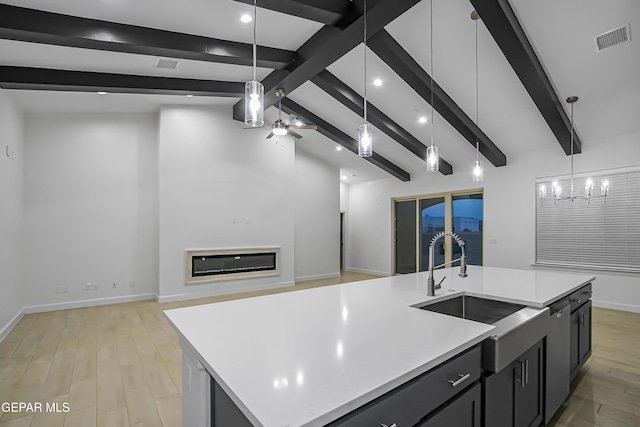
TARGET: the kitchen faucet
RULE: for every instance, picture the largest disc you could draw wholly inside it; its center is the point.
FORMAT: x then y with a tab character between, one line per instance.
431	283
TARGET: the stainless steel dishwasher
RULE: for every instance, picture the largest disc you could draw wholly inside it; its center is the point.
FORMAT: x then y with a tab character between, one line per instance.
558	357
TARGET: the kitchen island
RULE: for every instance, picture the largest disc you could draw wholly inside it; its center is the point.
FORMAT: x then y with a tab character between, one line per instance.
308	358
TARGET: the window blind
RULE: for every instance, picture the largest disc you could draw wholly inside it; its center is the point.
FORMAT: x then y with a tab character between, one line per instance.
602	234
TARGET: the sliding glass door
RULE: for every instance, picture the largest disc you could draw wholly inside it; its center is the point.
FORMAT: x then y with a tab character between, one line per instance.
417	220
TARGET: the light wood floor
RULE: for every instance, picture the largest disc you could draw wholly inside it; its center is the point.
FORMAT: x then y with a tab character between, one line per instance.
119	365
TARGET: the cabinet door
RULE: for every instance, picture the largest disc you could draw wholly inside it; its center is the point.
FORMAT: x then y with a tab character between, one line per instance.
574	344
463	411
528	389
584	337
498	397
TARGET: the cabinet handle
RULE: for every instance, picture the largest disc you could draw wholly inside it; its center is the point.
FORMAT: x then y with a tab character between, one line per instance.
526	371
522	380
455	383
576	301
581	316
588	293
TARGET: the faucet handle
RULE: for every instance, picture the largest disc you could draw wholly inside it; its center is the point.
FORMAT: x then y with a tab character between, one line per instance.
439	285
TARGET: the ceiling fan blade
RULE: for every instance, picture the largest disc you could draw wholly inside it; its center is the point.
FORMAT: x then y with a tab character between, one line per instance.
256	127
312	127
294	134
270	135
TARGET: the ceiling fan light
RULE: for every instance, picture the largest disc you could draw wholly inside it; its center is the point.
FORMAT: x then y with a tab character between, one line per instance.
279	129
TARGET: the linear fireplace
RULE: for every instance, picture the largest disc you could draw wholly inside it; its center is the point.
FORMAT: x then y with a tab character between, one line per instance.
209	265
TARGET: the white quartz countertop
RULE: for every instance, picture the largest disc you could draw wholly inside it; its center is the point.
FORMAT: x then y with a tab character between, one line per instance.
306	358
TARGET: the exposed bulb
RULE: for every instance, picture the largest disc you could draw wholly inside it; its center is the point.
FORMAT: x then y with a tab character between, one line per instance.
588	187
604	188
254	113
254	105
542	191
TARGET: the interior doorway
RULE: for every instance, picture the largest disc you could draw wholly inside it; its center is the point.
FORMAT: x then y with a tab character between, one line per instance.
342	242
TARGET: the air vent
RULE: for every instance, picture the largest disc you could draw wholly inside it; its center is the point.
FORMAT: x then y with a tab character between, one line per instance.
613	37
169	64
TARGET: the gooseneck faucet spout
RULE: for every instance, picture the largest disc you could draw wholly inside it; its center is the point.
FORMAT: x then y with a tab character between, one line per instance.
431	283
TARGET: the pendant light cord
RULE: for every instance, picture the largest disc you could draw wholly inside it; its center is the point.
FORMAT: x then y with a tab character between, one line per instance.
365	61
255	48
431	59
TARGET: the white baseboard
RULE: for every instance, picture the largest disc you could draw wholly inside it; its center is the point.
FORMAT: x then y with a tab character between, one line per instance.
372	272
87	303
616	306
9	326
222	291
317	277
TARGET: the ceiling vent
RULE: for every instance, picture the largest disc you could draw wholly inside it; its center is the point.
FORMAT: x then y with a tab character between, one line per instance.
613	37
169	64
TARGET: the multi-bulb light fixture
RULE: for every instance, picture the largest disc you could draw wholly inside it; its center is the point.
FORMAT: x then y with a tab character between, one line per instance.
556	188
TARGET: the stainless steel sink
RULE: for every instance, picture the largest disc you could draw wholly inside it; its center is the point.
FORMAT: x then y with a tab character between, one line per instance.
517	327
473	308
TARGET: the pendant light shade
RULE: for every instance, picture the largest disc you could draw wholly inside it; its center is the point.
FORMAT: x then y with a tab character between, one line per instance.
478	169
432	158
254	103
253	90
365	131
365	140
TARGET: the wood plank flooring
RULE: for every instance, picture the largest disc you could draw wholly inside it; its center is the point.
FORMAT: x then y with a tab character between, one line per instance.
120	365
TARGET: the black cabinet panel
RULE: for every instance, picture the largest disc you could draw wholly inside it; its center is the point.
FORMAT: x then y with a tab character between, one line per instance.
464	411
584	342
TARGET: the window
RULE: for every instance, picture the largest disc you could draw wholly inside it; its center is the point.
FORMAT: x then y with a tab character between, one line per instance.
602	234
418	219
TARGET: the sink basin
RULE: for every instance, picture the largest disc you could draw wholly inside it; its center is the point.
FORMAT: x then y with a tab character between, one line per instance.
473	308
517	327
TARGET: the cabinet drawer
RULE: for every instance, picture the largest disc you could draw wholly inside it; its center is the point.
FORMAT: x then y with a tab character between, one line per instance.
580	296
410	402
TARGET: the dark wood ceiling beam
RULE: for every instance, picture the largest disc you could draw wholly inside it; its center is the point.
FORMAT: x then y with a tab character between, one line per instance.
353	101
84	81
30	25
336	135
327	46
328	12
399	60
502	23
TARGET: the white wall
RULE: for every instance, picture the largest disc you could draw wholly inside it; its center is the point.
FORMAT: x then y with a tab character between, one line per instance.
509	211
90	207
212	171
317	218
11	212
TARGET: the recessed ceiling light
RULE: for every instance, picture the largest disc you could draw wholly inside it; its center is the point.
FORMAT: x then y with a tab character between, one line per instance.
245	19
299	123
422	120
101	93
377	82
338	148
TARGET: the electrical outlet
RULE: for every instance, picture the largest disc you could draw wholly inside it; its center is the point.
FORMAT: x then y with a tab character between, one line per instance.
65	289
58	289
95	286
114	285
88	286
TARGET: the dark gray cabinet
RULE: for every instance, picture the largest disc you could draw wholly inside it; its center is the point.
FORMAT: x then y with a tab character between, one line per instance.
464	411
580	337
514	396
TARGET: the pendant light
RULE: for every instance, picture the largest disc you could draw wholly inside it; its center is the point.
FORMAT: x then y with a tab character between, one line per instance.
432	150
365	134
478	169
253	90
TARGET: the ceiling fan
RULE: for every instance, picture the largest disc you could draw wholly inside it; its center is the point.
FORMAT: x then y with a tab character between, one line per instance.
279	128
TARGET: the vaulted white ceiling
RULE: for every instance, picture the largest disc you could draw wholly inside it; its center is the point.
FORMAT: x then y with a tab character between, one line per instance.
561	34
